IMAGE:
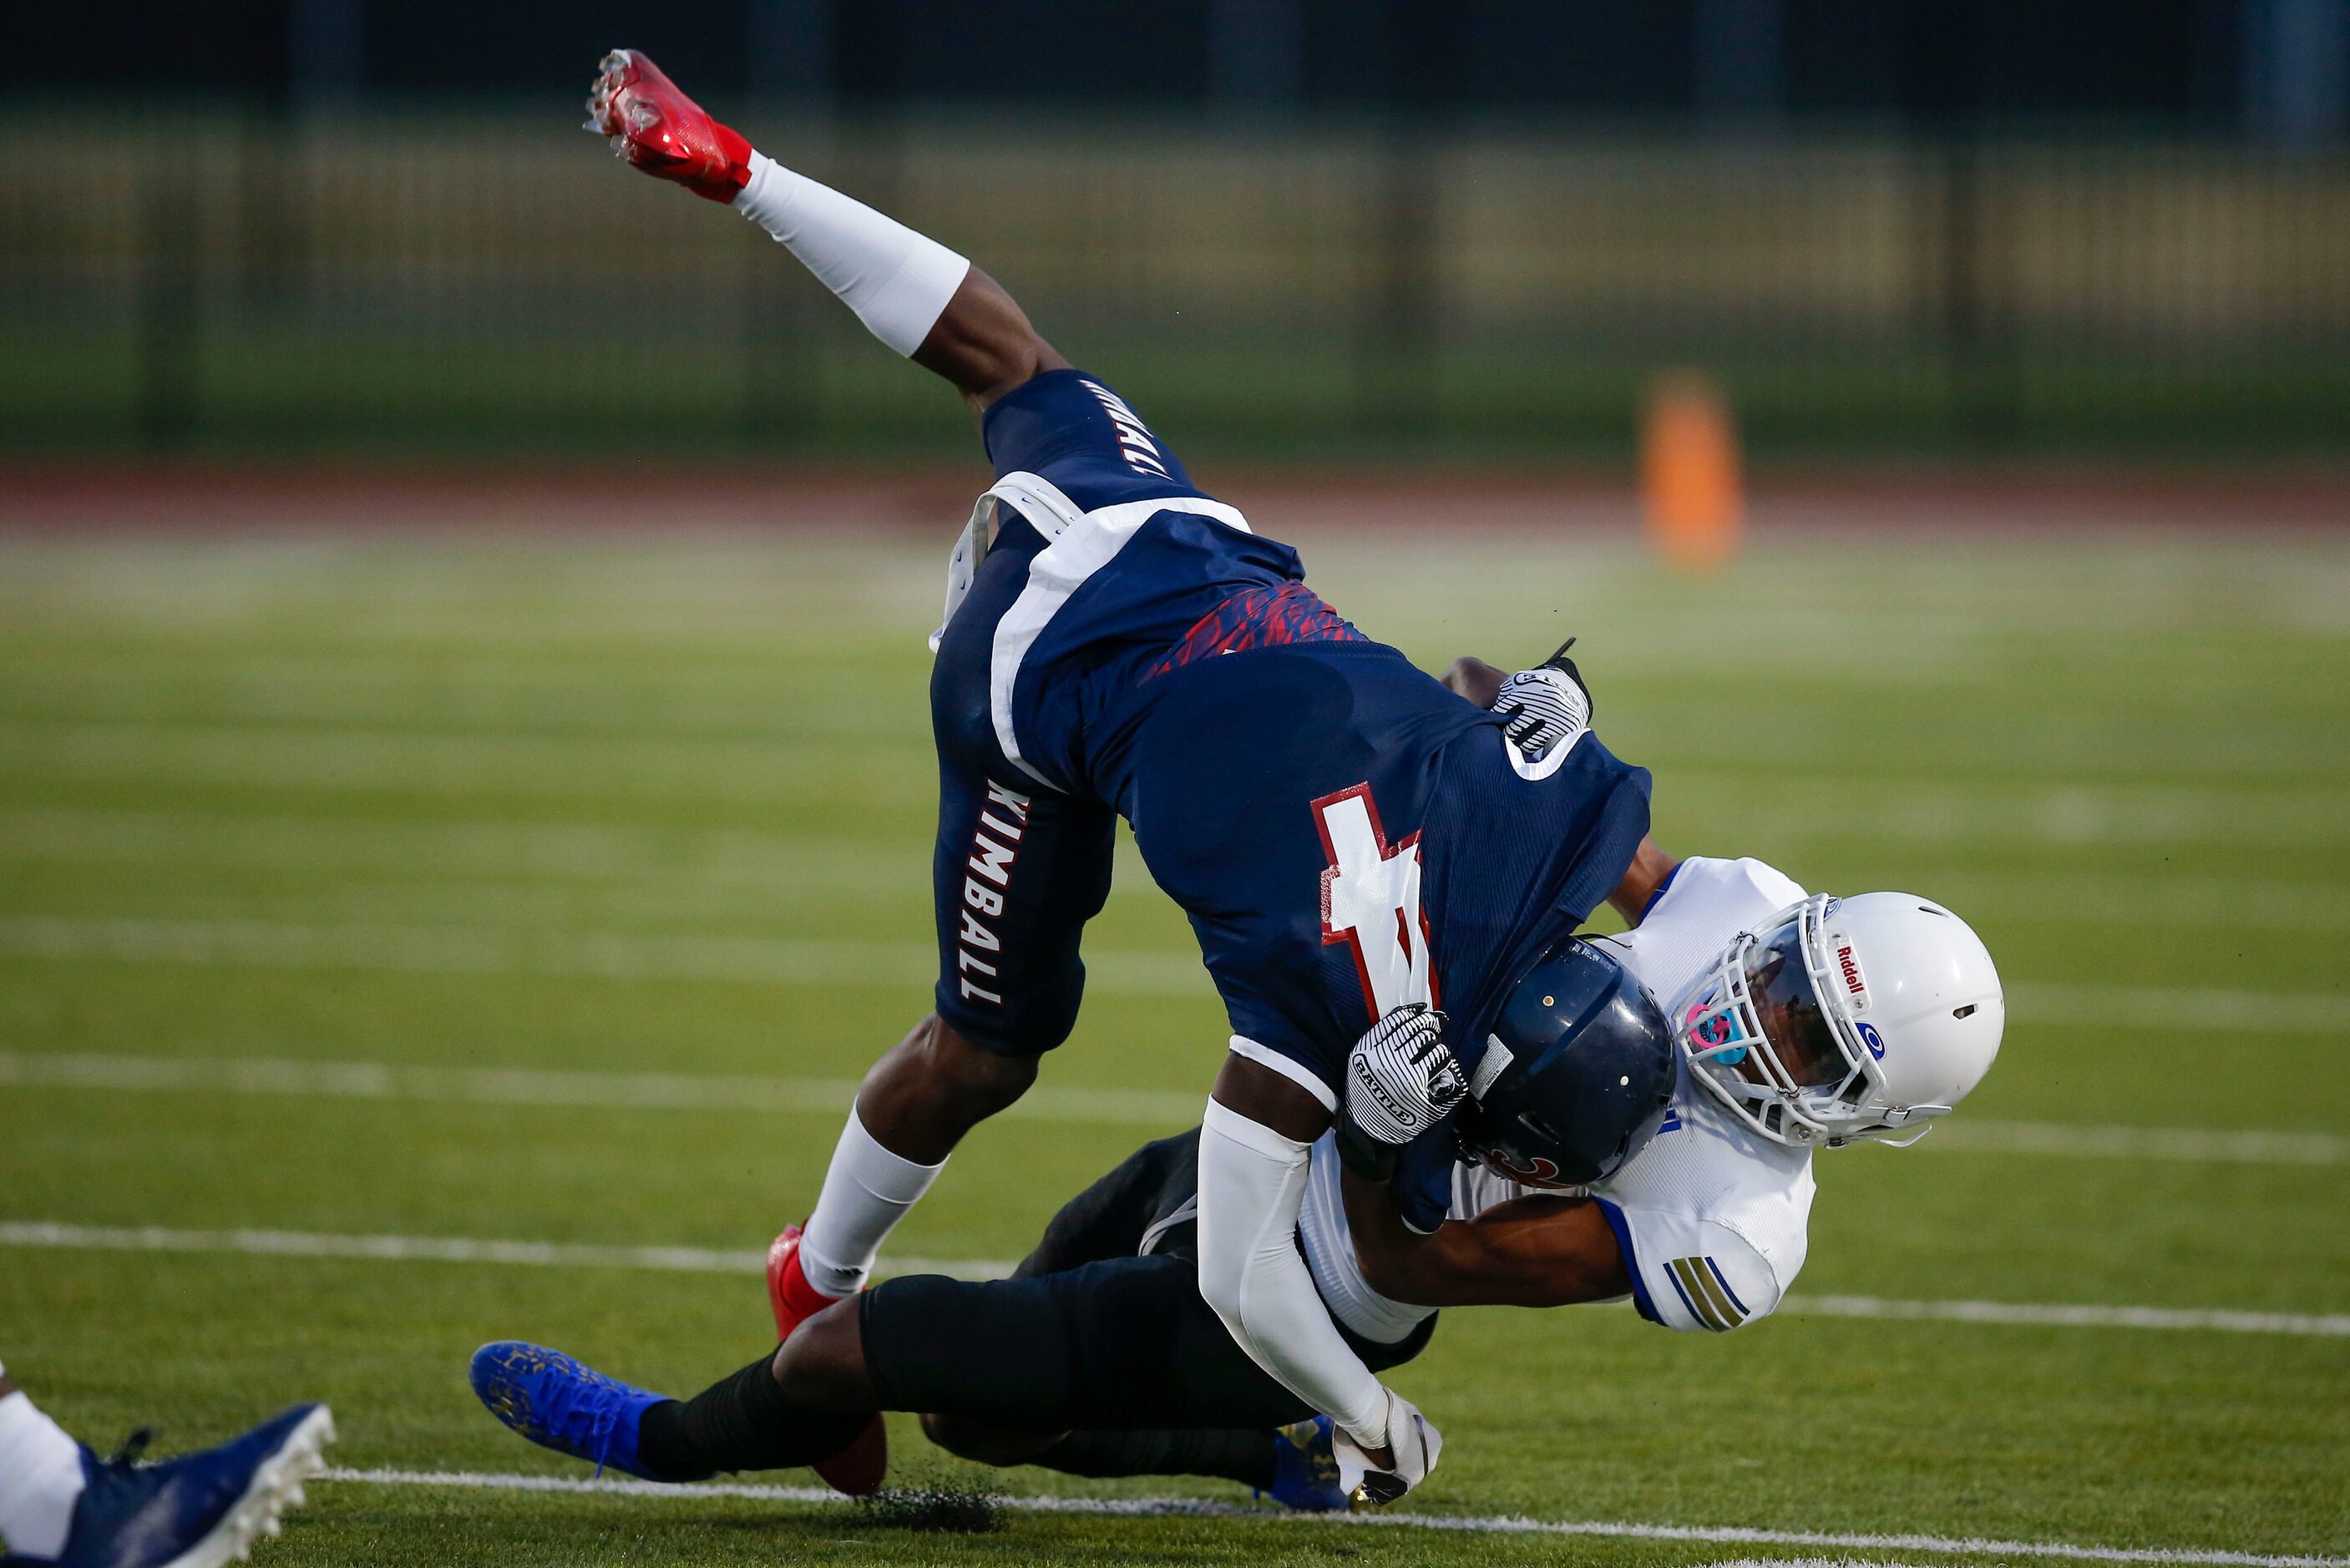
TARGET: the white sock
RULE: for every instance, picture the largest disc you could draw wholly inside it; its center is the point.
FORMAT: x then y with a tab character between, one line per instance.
897	281
41	1476
866	1193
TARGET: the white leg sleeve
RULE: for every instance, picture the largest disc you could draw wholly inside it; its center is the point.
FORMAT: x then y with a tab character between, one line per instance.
1252	1183
866	1192
41	1476
897	280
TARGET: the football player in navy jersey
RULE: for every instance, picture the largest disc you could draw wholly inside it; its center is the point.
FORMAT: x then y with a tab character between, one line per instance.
1795	1021
1353	841
1347	836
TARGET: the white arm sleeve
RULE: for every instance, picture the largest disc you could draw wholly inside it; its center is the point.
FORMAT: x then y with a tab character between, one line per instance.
1252	1181
897	280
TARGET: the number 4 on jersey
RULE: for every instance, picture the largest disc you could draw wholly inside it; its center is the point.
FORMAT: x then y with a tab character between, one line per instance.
1370	900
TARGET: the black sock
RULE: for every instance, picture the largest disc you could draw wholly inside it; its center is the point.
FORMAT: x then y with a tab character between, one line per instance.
1242	1454
740	1423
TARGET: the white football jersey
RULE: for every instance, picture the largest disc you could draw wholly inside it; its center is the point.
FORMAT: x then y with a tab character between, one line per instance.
1712	1217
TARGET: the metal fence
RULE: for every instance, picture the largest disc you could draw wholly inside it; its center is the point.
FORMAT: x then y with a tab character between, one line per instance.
441	282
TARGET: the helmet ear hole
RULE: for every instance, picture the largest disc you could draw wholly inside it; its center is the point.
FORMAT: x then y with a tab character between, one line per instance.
1966	1011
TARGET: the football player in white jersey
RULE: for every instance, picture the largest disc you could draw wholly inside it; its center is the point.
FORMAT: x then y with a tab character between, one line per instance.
1799	1020
1804	1021
1704	1227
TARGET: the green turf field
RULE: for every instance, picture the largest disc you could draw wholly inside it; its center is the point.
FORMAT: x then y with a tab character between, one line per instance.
340	877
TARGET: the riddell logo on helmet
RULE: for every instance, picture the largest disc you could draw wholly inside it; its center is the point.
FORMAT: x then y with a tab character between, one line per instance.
1852	980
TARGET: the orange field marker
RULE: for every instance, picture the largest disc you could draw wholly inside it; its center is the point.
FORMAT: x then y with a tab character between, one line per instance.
1691	494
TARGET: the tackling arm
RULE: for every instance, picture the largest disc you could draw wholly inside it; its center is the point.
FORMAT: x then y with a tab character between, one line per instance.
915	295
1530	1251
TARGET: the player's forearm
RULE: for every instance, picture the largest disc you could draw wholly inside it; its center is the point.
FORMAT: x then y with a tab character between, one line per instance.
983	344
915	295
1642	879
912	293
1531	1251
1396	1260
1473	678
1252	1183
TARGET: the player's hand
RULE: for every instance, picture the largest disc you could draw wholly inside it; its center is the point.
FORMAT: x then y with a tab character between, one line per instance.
1375	1479
1547	706
658	129
1401	1080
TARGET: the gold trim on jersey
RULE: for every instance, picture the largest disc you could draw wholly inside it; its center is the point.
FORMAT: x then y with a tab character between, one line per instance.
1705	1295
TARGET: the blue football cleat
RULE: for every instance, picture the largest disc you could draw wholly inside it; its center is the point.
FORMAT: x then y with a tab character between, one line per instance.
564	1405
199	1511
1305	1471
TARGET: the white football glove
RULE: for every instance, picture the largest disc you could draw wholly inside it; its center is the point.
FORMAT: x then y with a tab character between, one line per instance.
1547	709
1401	1078
1413	1441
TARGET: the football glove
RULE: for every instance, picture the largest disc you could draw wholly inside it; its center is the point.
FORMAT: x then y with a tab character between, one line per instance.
658	129
1547	706
1401	1080
1413	1444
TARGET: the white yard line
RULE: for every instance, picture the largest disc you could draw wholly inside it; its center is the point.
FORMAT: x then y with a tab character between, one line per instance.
1753	805
2214	1144
2153	898
1163	1109
439	1249
2286	1013
765	961
704	1260
2042	1315
587	955
765	769
1473	1524
453	857
633	766
538	853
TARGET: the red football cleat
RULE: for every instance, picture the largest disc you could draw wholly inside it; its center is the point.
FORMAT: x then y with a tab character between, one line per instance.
663	132
861	1467
788	1291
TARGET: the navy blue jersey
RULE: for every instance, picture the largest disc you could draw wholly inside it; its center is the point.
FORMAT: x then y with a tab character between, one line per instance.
1108	602
1345	834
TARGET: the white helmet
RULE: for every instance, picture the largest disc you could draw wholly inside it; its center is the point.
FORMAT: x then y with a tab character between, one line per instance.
1845	1018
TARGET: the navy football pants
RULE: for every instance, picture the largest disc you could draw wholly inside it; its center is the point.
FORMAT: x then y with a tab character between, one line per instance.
1018	868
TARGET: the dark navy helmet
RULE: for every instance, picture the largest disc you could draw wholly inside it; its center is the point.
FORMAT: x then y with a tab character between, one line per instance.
1573	1075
